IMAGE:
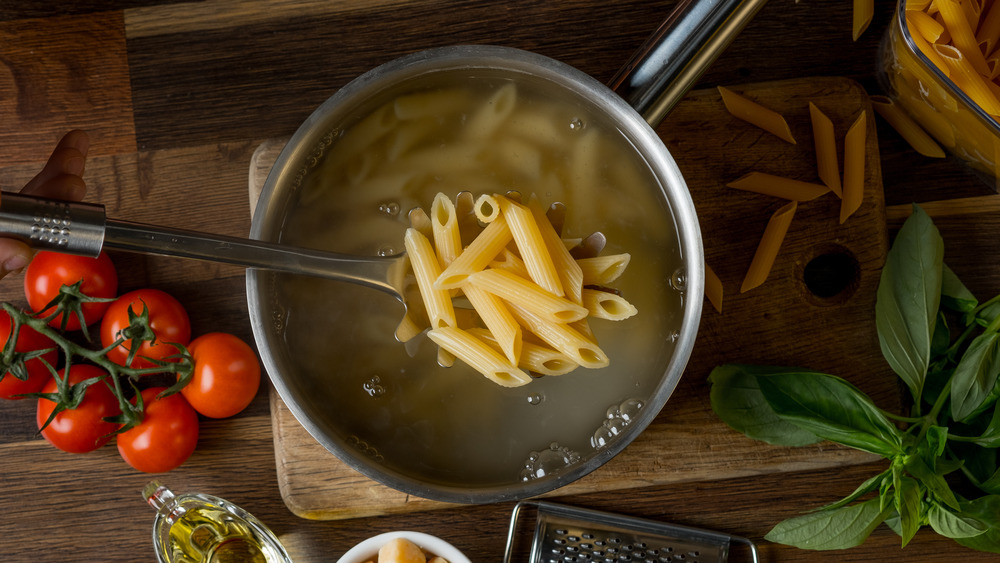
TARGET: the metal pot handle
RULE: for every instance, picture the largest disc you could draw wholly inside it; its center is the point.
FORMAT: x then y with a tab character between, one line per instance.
671	60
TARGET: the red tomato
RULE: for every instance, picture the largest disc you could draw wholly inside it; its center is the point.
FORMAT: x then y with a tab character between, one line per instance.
165	438
167	317
82	429
27	340
226	375
49	271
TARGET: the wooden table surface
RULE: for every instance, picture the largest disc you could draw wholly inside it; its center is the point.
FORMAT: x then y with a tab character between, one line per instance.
177	95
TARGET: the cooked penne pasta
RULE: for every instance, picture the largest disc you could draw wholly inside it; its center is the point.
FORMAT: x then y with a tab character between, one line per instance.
779	186
406	136
408	328
519	157
444	223
515	289
432	104
607	305
569	272
511	262
713	288
487	208
756	114
535	358
563	338
603	270
530	244
426	269
479	355
854	167
825	142
421	222
767	249
486	119
483	249
497	318
906	127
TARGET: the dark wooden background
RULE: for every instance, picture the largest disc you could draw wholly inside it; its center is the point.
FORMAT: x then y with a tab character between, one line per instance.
177	96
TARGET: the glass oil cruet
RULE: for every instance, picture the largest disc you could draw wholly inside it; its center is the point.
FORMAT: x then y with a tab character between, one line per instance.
199	528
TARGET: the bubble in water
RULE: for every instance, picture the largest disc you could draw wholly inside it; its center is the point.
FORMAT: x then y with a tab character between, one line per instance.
548	462
390	208
365	448
674	336
386	250
535	399
678	280
576	124
374	386
618	417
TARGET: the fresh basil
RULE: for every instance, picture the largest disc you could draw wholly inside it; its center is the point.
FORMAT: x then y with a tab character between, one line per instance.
944	345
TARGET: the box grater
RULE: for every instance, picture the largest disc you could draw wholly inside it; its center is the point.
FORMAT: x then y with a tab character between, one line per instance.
566	534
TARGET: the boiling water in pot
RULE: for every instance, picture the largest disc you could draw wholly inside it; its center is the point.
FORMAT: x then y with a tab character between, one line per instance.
464	130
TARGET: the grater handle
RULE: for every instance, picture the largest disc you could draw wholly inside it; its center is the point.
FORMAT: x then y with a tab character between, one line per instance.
69	227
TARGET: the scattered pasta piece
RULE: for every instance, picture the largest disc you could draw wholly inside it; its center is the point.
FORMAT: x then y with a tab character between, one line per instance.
854	167
767	249
713	288
756	114
912	133
825	142
862	16
778	186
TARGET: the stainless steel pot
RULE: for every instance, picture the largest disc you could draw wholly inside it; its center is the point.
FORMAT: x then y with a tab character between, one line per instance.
710	25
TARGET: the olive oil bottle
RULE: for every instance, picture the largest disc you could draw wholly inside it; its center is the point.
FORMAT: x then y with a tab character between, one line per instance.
199	528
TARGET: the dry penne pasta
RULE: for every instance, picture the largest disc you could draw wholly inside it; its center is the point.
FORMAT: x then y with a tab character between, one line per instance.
963	37
479	355
607	305
603	270
477	255
854	167
497	318
988	32
563	338
862	13
779	186
767	249
713	288
426	269
756	114
966	77
825	143
444	223
906	127
515	289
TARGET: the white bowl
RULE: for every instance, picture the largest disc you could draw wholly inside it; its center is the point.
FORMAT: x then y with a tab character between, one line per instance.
368	549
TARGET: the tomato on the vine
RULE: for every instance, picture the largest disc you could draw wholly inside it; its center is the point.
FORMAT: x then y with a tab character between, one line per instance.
81	429
226	375
49	271
28	340
167	318
165	438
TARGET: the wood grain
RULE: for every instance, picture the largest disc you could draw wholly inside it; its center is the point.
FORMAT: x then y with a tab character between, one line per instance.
712	148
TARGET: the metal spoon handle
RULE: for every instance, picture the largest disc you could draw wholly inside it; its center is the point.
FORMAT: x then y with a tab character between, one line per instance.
83	229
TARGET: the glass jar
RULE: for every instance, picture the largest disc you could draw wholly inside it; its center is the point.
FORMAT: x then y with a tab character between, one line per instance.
199	528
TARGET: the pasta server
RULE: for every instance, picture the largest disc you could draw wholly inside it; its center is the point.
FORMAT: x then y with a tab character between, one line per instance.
83	229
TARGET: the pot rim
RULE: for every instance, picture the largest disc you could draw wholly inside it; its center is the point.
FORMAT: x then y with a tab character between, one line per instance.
268	214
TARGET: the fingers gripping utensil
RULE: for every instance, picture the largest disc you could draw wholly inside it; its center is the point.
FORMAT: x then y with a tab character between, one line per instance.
83	229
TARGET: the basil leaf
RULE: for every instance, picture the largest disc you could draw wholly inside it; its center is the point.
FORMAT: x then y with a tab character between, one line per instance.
986	510
954	525
990	438
831	408
932	479
974	383
907	300
906	503
870	484
838	528
954	294
737	400
992	484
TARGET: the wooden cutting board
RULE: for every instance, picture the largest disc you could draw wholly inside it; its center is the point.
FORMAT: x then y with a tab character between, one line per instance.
782	322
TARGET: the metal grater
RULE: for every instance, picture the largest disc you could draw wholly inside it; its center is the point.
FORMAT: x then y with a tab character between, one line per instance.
565	534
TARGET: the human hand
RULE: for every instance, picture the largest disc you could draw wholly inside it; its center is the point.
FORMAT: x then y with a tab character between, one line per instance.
60	178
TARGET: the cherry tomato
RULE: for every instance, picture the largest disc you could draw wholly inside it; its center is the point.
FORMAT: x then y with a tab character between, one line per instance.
167	317
82	429
49	271
27	340
165	438
226	375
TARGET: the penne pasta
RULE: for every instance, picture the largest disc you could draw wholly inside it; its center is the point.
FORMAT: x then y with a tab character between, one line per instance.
406	136
862	13
511	262
778	186
925	26
497	318
756	114
962	35
432	104
408	328
479	355
607	305
486	119
988	32
767	249
968	79
426	269
906	127
854	167
713	288
535	358
483	249
530	244
569	272
515	289
487	208
825	142
444	225
563	338
603	270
